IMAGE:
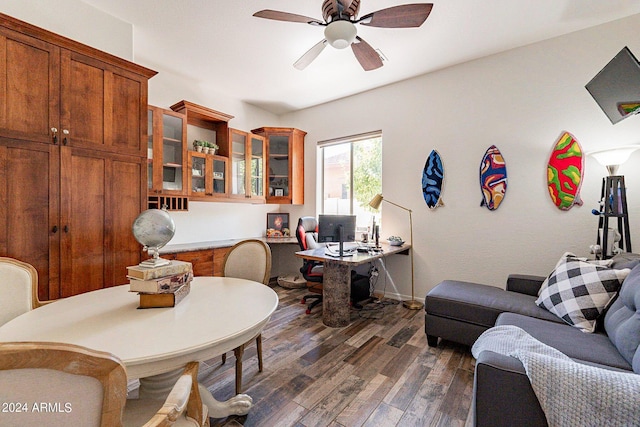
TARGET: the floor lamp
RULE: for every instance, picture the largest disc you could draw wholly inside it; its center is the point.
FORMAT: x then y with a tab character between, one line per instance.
375	204
613	201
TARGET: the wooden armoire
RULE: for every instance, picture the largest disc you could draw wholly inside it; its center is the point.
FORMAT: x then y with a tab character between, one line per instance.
73	153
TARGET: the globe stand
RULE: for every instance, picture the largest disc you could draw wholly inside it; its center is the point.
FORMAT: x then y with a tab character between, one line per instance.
155	260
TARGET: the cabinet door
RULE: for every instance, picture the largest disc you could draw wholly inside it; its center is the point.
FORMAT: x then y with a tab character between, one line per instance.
29	229
219	176
168	166
126	197
200	175
29	92
102	107
279	171
101	195
238	163
257	149
83	215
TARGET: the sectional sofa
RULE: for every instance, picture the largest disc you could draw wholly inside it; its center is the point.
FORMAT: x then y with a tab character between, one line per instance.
503	395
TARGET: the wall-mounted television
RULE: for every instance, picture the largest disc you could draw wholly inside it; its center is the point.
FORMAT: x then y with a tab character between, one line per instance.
616	88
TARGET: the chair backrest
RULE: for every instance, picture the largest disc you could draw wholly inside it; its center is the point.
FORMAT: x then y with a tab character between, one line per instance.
61	384
249	259
18	288
307	232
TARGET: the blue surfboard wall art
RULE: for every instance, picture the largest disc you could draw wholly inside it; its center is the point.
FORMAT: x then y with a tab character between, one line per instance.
433	180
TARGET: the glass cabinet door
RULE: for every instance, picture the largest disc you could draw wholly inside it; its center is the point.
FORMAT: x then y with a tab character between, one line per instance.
172	152
219	176
279	166
166	152
198	174
257	166
238	163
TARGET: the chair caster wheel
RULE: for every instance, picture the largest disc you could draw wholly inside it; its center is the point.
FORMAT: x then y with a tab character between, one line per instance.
308	311
303	301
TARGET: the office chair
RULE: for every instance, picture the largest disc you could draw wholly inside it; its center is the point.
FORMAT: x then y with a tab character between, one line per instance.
18	289
249	259
79	386
307	235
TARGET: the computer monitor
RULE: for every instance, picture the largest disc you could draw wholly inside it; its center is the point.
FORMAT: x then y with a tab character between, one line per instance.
337	228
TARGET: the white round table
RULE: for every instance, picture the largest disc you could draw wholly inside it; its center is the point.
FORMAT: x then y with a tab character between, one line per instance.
218	315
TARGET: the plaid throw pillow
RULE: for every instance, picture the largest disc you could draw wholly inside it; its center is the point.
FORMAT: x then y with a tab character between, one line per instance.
577	291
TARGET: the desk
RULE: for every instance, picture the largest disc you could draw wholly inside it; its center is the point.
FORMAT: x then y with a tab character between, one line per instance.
336	282
218	315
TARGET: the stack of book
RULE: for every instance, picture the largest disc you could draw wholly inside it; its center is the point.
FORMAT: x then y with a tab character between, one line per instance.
163	286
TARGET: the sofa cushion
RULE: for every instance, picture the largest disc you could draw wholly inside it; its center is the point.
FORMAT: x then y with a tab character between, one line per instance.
479	304
622	321
594	348
577	291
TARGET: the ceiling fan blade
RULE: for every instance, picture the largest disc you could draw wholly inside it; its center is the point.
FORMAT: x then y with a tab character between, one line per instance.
286	16
366	55
310	55
403	16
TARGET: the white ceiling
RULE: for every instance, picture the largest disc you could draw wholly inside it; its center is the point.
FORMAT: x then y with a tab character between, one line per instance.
220	43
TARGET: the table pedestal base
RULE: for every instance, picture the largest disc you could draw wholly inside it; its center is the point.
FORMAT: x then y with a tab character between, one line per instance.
159	386
336	288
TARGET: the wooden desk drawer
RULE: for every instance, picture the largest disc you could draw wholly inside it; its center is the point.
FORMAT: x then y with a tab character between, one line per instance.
202	261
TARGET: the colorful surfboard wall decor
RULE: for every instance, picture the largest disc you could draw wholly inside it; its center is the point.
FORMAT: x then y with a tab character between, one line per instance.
565	171
493	178
433	180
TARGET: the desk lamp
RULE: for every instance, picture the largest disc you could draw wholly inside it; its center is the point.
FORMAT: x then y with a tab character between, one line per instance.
375	204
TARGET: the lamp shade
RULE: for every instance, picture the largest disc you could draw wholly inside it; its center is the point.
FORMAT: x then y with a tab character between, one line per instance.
340	34
614	157
376	201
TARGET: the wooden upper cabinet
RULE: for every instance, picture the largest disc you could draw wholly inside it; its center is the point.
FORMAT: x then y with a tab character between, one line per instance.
58	91
285	164
101	106
29	91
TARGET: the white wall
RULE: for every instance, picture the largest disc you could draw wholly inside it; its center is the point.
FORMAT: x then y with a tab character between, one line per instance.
521	101
76	20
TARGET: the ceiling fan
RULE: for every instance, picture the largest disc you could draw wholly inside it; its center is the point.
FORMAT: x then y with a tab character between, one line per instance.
340	19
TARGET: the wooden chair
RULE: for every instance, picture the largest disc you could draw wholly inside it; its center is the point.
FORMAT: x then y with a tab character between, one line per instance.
18	289
58	384
249	259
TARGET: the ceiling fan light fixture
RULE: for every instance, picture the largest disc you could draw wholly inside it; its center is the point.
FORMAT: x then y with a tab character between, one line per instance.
340	34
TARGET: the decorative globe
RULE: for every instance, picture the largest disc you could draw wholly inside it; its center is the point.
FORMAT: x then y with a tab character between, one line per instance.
153	229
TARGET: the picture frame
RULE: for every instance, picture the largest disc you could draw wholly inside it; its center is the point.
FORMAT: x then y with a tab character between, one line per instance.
278	225
278	192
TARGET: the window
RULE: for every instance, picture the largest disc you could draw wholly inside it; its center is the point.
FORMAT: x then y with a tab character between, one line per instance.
351	174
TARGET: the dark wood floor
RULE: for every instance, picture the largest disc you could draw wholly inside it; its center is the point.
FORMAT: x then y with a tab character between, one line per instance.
378	371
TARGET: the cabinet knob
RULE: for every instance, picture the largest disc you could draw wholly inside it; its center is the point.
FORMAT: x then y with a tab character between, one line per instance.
65	132
54	132
66	228
54	229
